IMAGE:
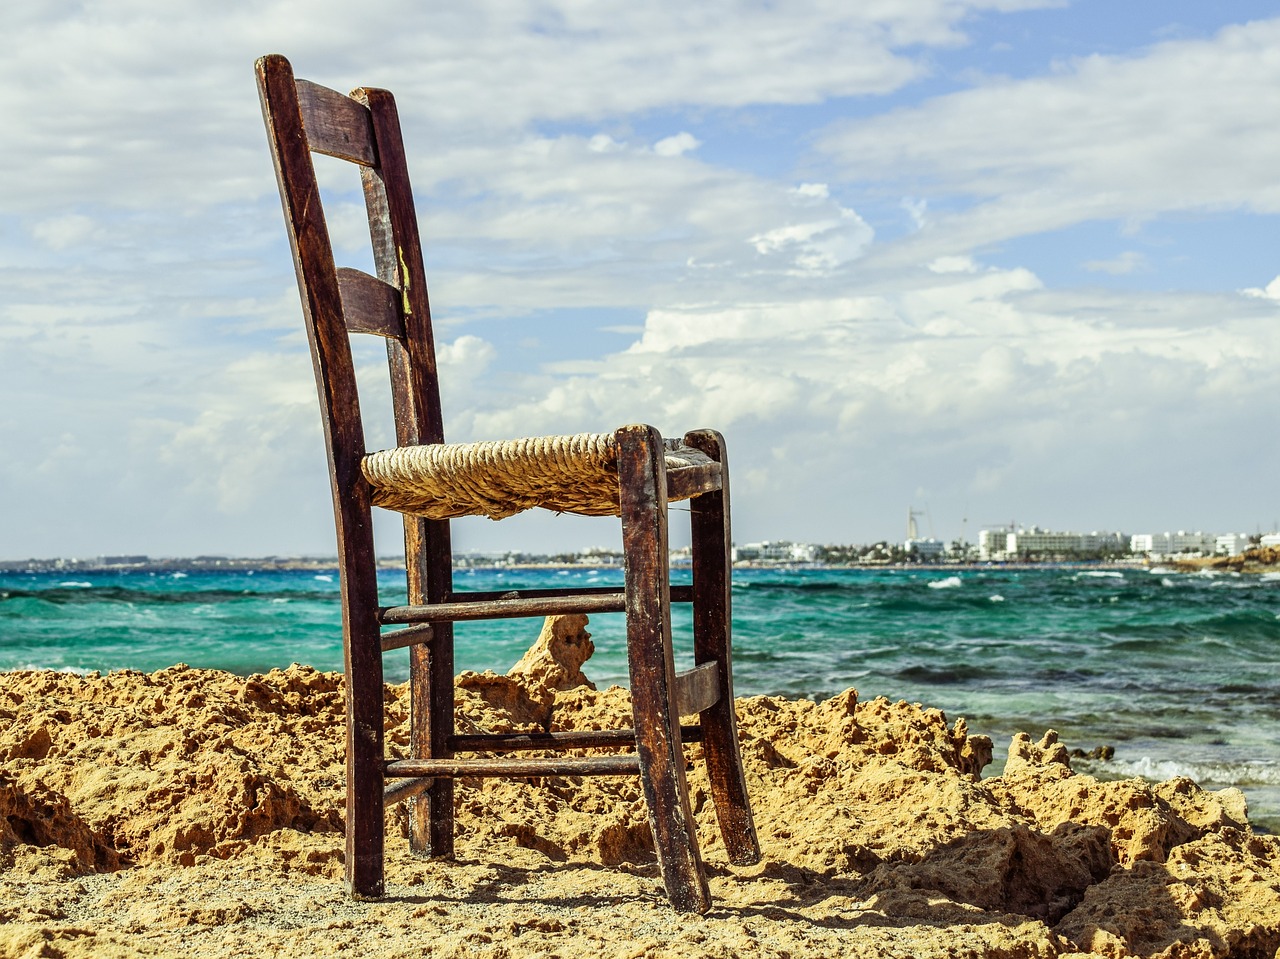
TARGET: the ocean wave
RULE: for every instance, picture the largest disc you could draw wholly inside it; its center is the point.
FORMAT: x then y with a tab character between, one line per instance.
1100	574
1235	773
950	582
36	668
140	598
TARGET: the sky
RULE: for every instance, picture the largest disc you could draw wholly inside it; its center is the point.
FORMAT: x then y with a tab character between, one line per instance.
993	261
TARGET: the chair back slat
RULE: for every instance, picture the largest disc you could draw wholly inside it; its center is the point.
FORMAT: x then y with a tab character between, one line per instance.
336	125
369	305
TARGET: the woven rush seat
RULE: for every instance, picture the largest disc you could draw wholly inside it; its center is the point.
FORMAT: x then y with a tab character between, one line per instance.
565	474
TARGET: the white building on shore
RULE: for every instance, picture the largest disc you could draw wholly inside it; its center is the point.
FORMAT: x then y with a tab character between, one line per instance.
1231	544
1166	544
777	551
1007	543
926	550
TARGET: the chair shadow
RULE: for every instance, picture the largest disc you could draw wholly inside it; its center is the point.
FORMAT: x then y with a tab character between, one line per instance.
945	887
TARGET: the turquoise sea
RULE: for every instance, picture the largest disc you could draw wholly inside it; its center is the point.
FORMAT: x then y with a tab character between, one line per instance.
1179	673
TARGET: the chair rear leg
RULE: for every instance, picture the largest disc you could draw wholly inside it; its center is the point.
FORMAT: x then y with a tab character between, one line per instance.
431	811
429	570
366	830
642	476
712	641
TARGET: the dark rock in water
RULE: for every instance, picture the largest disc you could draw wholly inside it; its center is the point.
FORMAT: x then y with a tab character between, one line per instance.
1097	752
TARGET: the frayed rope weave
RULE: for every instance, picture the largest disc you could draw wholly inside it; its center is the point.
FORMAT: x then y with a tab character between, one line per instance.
566	474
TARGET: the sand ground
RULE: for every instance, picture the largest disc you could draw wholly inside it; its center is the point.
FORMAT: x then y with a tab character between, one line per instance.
192	813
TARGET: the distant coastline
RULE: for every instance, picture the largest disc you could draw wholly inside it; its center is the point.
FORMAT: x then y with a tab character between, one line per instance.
1254	561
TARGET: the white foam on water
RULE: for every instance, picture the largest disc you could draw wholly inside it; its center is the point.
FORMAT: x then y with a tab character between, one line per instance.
951	582
1237	774
997	598
323	577
76	584
1102	574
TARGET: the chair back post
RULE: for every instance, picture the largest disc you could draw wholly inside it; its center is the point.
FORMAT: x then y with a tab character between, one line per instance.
327	334
415	391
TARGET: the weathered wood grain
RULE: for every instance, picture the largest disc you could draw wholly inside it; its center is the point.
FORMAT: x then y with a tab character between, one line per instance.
627	764
712	642
344	438
335	125
612	602
369	305
651	662
697	689
570	739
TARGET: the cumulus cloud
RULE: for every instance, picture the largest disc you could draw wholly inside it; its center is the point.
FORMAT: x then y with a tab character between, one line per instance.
674	146
984	387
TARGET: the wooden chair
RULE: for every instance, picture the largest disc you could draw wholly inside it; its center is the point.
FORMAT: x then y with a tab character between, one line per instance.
631	472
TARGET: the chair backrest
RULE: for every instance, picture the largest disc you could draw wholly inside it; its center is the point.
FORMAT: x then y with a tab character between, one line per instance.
304	118
364	128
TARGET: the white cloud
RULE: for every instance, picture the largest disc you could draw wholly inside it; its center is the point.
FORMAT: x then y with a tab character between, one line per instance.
1270	292
677	145
991	387
1184	125
60	232
954	264
1127	262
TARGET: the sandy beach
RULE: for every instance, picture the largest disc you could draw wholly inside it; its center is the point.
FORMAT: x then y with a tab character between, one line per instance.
196	813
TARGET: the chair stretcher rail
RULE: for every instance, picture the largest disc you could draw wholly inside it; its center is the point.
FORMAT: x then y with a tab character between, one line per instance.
570	739
679	594
625	764
614	602
515	604
690	481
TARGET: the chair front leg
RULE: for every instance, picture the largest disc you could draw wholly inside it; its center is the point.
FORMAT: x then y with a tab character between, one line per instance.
642	479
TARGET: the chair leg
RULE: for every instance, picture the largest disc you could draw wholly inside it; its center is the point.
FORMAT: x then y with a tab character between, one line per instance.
431	811
366	831
428	564
712	641
642	477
